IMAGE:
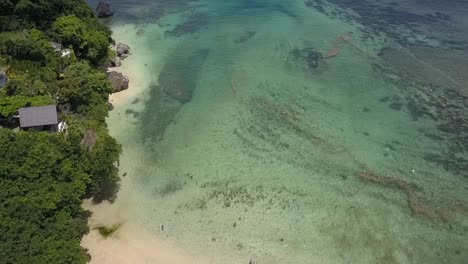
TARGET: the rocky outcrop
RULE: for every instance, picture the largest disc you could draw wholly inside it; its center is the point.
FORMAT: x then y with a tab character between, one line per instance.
122	49
104	9
118	80
115	62
89	139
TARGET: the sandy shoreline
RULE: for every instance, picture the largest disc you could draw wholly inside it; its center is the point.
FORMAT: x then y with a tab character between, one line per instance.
136	83
130	244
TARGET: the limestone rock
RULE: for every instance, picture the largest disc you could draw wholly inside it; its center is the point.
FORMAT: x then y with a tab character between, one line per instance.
89	139
118	80
104	9
115	62
122	49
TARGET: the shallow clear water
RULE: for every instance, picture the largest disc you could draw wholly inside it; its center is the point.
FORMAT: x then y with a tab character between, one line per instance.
298	132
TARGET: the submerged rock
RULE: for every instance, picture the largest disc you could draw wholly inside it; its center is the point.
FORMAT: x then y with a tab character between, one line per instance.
118	80
104	9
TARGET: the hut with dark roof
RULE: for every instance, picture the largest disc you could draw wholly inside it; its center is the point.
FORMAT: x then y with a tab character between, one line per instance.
43	118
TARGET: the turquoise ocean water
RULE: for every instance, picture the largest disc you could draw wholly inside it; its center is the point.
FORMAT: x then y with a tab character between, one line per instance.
299	131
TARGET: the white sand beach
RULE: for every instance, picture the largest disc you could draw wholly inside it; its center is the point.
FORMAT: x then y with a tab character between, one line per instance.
129	244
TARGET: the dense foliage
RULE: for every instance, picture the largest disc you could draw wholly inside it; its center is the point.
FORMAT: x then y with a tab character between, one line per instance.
17	14
9	105
44	176
41	180
85	90
89	40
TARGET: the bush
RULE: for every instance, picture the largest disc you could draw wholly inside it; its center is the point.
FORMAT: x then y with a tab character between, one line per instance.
42	183
108	231
44	177
89	41
9	105
84	89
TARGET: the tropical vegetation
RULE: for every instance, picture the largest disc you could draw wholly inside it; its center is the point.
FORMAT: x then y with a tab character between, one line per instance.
45	176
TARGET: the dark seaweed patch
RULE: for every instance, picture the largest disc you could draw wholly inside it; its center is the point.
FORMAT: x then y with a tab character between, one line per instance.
414	111
192	24
443	101
312	57
396	106
245	35
132	112
177	80
380	18
254	5
178	77
434	137
450	162
384	99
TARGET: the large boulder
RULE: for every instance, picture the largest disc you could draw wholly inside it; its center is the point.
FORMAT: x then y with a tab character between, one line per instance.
122	49
104	9
115	62
89	139
118	80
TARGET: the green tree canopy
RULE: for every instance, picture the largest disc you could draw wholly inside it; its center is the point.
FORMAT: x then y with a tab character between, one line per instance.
84	88
42	183
89	41
44	176
9	105
19	14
